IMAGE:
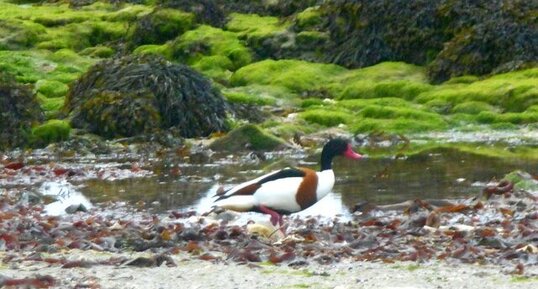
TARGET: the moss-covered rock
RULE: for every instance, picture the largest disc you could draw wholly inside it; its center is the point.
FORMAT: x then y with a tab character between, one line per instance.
245	98
472	107
387	79
160	26
57	26
99	51
522	181
31	66
513	92
183	98
19	110
51	88
396	125
17	34
311	38
257	31
210	50
489	117
52	106
327	117
295	75
309	19
253	26
358	104
154	49
54	130
206	11
247	137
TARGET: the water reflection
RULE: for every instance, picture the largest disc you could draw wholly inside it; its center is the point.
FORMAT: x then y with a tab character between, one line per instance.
441	174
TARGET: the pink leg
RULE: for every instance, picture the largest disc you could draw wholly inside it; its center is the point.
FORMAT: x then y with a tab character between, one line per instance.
275	217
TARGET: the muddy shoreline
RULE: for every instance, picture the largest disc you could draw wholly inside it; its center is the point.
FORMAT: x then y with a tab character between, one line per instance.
192	273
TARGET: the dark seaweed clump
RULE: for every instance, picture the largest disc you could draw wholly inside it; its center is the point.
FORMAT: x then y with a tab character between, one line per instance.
134	95
159	26
19	109
453	37
206	11
282	8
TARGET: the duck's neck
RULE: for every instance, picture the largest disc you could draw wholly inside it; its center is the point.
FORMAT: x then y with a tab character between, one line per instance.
326	161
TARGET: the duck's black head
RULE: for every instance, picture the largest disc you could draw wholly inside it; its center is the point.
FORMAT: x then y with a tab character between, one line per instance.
334	148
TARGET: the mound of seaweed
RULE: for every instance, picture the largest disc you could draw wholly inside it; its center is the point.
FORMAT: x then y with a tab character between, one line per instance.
19	109
282	8
138	94
454	37
497	37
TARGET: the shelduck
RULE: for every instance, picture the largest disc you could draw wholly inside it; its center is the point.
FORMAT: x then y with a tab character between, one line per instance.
288	190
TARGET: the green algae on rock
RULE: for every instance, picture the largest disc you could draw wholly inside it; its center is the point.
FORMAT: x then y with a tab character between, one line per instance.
512	92
257	31
99	51
184	99
206	11
52	106
19	110
17	34
523	181
254	27
327	117
31	66
54	130
210	50
160	26
296	75
309	19
51	88
248	137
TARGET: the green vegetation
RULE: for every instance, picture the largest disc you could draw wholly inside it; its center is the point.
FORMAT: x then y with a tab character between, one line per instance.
272	58
250	137
161	25
517	279
513	91
98	51
522	181
327	117
296	75
51	88
210	50
310	18
245	98
51	106
54	130
473	107
255	28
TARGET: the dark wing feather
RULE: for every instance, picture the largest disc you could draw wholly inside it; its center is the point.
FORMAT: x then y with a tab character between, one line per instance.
252	188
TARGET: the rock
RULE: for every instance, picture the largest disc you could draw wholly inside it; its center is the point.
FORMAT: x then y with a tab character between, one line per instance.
248	137
75	208
19	109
